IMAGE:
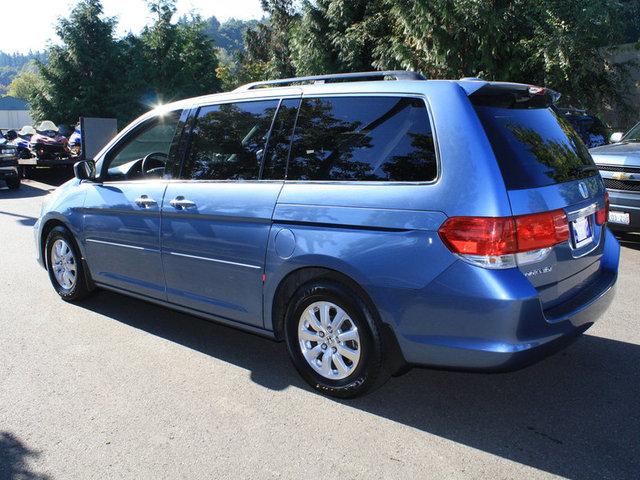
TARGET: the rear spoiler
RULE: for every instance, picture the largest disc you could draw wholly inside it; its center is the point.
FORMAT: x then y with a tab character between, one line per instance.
508	95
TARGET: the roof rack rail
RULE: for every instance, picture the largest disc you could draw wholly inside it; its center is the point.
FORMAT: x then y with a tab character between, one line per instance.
336	78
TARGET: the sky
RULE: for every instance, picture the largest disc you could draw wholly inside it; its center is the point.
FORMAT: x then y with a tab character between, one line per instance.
34	27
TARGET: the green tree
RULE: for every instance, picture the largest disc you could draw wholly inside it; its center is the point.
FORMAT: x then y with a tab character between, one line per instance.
178	60
268	44
25	85
562	45
83	76
339	36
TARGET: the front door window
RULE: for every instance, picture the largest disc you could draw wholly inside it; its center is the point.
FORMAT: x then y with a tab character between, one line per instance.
145	152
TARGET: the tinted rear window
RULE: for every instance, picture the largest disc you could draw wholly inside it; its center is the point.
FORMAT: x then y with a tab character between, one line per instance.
363	138
535	147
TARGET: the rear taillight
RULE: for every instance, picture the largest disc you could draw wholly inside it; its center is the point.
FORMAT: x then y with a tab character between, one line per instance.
602	215
504	242
541	230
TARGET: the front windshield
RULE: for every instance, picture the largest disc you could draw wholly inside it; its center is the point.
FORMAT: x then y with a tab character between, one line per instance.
633	135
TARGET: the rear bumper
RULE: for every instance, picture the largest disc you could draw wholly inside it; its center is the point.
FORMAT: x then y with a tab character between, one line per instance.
476	319
628	202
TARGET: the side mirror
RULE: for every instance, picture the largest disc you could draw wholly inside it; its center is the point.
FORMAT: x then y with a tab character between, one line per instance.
615	137
85	170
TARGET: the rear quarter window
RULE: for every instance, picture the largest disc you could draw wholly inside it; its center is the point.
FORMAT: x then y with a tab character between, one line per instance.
534	147
363	138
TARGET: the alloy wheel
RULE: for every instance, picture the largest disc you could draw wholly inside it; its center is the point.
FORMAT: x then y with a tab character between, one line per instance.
329	340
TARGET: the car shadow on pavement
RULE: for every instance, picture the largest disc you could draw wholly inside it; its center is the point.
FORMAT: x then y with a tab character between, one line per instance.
23	219
14	456
25	191
575	414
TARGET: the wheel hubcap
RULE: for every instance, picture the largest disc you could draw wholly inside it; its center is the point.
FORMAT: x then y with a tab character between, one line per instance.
329	340
63	262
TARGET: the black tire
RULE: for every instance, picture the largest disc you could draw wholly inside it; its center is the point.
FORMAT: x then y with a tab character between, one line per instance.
80	288
13	183
370	372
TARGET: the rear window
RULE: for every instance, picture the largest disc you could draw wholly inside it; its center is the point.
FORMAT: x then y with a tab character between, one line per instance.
535	147
363	138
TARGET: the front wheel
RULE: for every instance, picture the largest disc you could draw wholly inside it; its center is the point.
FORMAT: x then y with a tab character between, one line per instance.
334	340
66	271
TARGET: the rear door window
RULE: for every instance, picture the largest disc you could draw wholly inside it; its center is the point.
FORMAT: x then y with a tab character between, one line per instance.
535	147
229	140
373	138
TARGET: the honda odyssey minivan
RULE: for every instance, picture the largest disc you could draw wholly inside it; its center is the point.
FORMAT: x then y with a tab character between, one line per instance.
372	221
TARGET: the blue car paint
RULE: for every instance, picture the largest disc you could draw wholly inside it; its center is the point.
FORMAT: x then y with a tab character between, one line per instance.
245	238
111	215
224	239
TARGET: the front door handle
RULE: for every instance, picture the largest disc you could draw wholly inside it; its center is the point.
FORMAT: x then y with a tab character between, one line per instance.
182	203
145	201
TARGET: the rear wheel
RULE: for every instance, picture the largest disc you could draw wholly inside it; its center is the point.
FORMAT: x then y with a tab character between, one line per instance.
66	271
333	340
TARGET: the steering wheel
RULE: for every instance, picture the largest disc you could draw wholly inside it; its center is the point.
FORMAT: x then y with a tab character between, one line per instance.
160	159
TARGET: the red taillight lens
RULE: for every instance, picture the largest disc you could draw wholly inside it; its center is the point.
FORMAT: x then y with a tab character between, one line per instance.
490	236
602	215
541	230
479	235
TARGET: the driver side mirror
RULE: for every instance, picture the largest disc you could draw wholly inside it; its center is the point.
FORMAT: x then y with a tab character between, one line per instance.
85	170
615	137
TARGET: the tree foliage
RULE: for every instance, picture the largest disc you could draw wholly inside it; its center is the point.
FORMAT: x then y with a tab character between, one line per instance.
562	45
94	74
25	85
178	60
83	75
339	36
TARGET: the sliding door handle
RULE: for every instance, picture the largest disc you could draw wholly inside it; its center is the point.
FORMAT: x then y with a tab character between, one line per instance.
182	203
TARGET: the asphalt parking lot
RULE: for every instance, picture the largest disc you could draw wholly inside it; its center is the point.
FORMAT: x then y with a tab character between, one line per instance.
118	388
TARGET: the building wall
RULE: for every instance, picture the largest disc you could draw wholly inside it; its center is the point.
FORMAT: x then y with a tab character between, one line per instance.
15	119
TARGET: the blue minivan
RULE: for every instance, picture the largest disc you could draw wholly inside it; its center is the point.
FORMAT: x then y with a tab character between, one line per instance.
372	225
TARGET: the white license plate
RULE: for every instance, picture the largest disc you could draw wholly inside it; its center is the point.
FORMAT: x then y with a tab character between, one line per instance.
582	233
619	217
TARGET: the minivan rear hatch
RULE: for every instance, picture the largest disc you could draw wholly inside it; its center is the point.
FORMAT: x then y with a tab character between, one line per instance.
546	167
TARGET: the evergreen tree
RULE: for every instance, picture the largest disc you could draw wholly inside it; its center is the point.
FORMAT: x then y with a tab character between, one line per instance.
268	45
84	75
178	59
340	36
562	45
